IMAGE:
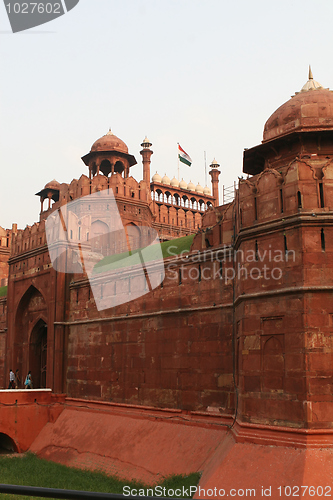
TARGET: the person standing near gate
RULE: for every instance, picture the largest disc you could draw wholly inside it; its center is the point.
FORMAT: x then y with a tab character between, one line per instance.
11	379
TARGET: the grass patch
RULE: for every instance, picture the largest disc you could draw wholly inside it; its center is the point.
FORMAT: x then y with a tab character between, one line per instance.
121	260
29	470
3	291
177	246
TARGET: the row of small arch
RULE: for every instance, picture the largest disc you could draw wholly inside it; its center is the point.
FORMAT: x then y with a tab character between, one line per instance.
178	201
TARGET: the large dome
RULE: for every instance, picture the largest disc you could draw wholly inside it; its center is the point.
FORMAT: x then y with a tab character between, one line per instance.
109	142
309	110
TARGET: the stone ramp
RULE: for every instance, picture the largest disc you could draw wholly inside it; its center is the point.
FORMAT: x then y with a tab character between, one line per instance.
130	443
286	464
148	444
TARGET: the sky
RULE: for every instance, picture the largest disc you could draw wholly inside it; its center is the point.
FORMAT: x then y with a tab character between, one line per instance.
206	74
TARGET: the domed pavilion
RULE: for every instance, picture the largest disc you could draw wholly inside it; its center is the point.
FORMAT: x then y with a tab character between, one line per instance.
304	121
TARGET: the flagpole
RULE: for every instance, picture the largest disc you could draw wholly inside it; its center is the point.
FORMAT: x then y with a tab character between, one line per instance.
205	168
178	159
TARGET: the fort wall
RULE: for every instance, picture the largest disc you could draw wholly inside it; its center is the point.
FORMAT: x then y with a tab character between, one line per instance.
169	348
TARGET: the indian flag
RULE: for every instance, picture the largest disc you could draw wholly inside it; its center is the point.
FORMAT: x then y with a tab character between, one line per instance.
183	156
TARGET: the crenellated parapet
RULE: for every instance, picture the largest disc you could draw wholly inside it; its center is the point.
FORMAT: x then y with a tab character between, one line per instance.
5	248
29	253
28	239
300	186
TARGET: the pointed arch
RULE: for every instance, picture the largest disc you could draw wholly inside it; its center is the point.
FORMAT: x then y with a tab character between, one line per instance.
31	305
105	167
100	237
133	236
31	314
267	199
119	167
7	444
273	364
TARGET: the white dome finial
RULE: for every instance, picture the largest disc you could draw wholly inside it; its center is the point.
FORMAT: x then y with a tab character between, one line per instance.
311	84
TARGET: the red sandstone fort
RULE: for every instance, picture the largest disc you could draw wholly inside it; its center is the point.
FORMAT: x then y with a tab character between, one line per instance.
227	366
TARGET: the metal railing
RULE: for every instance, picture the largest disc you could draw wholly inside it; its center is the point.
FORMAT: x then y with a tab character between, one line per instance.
229	193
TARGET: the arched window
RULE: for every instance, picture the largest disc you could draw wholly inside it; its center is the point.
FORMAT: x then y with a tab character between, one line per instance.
273	365
168	197
119	167
299	199
100	236
322	237
133	239
105	167
159	195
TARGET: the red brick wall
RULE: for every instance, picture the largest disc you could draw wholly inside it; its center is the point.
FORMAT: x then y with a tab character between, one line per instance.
176	352
4	256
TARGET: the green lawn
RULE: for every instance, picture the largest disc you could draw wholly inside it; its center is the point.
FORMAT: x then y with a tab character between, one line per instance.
169	249
3	291
29	470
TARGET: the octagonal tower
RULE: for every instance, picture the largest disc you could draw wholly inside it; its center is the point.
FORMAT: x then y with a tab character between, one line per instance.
284	317
109	155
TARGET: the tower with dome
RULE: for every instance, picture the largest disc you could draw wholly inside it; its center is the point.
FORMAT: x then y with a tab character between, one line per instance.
174	208
280	228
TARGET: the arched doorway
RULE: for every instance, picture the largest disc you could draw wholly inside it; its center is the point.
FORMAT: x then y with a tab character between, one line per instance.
31	314
7	445
99	237
38	354
133	237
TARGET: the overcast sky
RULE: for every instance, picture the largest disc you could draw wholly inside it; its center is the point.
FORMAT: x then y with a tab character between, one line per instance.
206	74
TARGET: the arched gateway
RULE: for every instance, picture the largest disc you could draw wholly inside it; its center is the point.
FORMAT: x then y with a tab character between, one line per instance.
30	345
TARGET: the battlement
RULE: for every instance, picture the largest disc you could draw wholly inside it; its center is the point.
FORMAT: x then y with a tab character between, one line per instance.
305	184
5	248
